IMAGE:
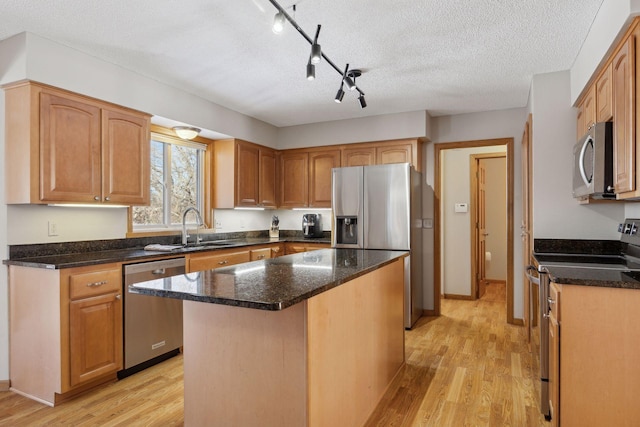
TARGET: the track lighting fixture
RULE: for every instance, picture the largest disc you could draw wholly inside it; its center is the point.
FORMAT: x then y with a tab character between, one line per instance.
363	103
278	22
316	51
311	70
316	55
339	95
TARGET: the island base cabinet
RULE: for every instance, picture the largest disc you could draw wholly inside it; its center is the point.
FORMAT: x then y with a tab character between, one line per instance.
325	361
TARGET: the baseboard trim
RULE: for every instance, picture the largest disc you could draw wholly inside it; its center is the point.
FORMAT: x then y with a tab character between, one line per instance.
4	385
462	297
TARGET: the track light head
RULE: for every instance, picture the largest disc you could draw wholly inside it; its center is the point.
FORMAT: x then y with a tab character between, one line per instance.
350	78
278	22
363	103
311	71
339	95
316	53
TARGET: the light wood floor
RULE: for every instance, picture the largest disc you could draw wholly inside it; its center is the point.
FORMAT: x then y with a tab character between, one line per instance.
465	368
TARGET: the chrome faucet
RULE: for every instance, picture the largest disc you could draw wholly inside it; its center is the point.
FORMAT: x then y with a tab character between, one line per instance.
185	236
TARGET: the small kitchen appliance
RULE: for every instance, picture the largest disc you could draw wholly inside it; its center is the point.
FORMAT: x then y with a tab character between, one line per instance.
593	163
312	225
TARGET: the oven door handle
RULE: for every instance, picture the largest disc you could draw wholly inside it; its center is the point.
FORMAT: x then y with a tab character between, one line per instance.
531	277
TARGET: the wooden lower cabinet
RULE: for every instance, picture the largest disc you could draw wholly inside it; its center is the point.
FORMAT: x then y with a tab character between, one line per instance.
217	259
65	330
554	355
297	247
599	348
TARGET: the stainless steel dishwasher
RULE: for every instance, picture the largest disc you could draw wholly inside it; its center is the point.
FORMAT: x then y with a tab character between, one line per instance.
152	325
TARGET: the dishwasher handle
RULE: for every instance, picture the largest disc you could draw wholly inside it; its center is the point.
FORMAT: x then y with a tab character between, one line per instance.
531	277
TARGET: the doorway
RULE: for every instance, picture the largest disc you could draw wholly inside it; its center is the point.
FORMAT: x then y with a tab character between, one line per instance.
506	144
488	223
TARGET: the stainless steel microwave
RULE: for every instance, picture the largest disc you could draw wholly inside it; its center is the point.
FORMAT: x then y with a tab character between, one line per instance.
593	163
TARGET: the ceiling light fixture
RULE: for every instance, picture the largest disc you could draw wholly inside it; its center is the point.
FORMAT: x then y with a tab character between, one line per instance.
278	23
317	54
316	51
186	132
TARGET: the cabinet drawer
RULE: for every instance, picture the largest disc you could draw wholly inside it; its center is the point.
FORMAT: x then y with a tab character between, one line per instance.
92	283
258	254
210	262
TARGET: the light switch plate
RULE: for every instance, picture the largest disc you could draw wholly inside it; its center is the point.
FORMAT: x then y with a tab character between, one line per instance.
461	207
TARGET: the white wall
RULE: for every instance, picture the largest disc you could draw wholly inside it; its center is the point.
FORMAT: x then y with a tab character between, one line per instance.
375	128
496	218
232	220
555	213
456	236
612	20
488	125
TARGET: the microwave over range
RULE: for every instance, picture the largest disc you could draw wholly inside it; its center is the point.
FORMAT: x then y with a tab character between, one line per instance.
593	163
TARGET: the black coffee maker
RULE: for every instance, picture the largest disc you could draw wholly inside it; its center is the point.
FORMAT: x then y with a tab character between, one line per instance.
312	225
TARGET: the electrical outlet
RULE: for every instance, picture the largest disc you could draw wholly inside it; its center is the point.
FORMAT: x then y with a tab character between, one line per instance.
217	224
53	228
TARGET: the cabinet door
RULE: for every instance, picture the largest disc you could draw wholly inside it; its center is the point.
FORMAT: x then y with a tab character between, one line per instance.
624	150
258	254
394	154
320	165
69	150
126	143
247	165
294	180
604	96
95	337
360	156
554	370
294	248
267	184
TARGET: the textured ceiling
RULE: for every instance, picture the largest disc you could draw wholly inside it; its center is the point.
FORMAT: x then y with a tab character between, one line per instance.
444	56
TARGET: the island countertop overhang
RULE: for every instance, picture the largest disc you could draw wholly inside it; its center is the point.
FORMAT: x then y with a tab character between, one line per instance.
271	284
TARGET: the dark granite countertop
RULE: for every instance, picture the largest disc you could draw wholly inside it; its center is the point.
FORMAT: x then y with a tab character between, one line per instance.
587	263
271	284
599	277
137	254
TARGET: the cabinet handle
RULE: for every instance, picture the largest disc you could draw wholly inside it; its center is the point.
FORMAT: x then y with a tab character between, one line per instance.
610	188
96	198
546	315
260	256
223	262
550	301
107	198
118	296
158	271
276	250
96	284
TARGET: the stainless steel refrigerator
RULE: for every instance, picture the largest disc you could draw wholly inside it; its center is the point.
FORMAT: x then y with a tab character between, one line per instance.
380	207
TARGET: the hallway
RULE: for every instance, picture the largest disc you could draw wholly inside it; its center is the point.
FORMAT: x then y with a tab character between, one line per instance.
467	367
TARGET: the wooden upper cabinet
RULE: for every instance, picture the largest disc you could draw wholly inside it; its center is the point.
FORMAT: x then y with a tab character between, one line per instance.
604	96
624	151
70	155
394	154
320	165
358	156
267	182
64	147
247	176
244	175
586	112
294	179
125	158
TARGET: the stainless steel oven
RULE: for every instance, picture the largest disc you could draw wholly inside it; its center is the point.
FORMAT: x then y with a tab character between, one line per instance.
541	282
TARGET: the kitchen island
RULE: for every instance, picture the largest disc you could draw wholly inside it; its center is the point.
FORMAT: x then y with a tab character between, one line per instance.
309	339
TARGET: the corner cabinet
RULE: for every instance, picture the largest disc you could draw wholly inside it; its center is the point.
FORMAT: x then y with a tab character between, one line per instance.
63	147
65	330
244	175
